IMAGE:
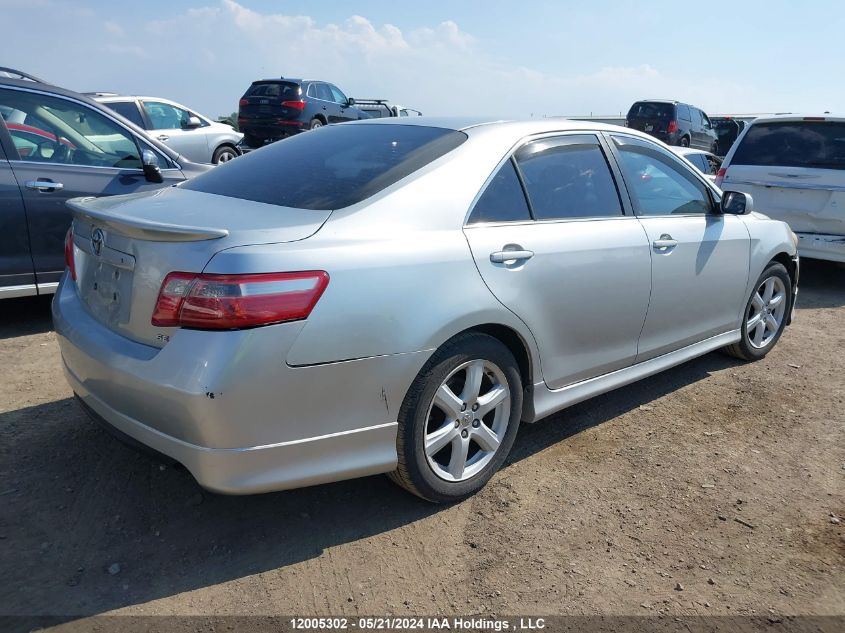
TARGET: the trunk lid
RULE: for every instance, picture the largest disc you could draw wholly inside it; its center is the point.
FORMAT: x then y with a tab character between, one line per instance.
650	117
124	247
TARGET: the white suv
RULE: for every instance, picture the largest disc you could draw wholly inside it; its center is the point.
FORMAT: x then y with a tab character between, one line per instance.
197	138
794	168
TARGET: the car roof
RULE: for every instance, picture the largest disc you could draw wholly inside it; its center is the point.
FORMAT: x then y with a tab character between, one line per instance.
518	128
799	117
672	101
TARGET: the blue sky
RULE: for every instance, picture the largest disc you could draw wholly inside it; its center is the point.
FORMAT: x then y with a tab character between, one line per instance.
492	58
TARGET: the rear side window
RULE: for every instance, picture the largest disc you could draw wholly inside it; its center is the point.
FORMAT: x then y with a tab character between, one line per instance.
274	89
568	179
651	110
683	112
793	144
503	200
330	168
128	110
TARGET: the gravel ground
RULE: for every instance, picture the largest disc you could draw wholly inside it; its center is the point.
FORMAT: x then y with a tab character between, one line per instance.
713	488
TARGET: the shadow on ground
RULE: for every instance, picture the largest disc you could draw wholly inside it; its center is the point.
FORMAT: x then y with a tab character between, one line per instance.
76	502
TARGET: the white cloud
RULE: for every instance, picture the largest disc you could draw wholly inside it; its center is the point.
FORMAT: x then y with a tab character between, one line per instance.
207	56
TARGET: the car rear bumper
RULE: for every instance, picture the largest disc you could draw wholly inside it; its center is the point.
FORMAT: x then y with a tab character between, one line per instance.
270	129
818	246
228	407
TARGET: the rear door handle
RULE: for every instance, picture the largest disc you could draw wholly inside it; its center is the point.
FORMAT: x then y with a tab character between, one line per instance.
665	242
44	185
500	257
162	137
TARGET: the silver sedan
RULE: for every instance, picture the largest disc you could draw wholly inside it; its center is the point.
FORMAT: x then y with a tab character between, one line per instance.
397	296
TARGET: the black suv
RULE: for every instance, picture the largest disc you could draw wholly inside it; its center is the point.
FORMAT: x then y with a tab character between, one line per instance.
674	123
275	108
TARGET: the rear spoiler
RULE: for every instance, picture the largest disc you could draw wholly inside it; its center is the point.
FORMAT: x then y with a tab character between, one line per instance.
142	229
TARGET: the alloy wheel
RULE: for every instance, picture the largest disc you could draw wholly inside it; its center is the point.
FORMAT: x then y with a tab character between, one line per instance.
467	420
766	312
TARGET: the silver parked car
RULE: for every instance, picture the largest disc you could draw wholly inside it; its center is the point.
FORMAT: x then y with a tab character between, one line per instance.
194	136
402	294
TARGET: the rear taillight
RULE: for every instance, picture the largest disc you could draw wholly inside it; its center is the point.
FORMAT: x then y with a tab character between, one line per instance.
243	102
720	176
673	126
69	263
296	105
226	302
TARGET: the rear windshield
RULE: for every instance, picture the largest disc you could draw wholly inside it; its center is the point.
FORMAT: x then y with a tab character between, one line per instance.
274	89
329	168
793	144
647	110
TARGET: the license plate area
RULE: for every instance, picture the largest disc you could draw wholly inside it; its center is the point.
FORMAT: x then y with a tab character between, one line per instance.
104	283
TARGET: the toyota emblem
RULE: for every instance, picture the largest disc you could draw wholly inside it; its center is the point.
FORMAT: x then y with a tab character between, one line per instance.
98	238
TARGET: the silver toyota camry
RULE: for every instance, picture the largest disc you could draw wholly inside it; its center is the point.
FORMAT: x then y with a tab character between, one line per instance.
397	296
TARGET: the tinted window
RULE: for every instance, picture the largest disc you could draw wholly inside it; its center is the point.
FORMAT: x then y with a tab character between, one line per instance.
503	200
659	184
128	110
329	168
324	93
651	110
54	130
683	112
282	89
337	95
164	116
569	180
793	144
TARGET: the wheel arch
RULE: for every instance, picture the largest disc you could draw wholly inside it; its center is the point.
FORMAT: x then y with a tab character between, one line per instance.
519	347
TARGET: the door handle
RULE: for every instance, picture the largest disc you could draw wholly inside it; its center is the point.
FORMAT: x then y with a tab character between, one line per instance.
665	242
162	137
44	185
500	257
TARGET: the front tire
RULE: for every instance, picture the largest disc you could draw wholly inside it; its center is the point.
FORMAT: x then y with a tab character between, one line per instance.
765	315
224	154
459	419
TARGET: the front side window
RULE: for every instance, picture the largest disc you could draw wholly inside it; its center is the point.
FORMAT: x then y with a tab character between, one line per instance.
660	184
338	96
503	200
330	168
54	130
164	116
568	178
815	144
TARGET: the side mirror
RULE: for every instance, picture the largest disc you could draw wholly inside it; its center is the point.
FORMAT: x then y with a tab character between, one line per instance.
193	123
152	171
350	102
736	203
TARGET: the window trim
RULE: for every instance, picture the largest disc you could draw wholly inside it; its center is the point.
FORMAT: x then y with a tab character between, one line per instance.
171	163
615	174
712	192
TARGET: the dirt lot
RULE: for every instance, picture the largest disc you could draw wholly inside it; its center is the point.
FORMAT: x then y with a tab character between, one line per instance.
713	488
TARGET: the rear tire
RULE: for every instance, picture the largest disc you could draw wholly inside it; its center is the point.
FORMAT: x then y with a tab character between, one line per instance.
315	123
684	142
459	419
766	314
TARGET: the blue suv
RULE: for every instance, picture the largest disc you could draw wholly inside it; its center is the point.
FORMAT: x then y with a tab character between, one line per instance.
275	108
